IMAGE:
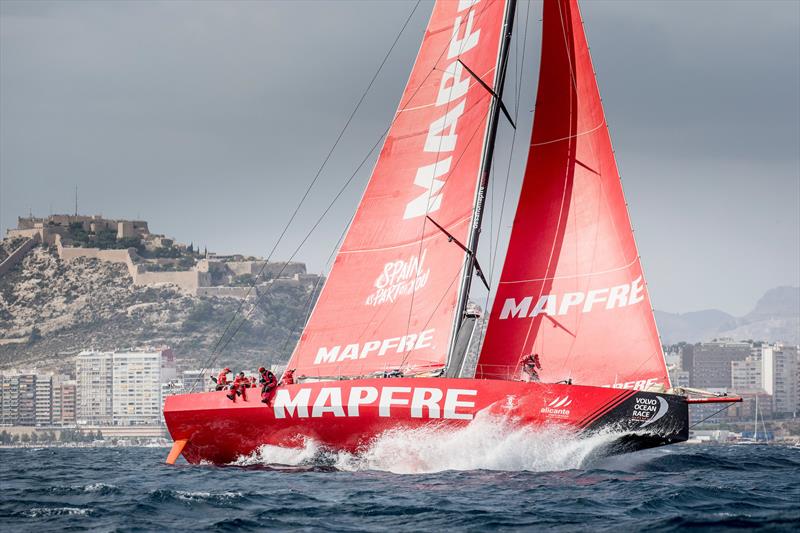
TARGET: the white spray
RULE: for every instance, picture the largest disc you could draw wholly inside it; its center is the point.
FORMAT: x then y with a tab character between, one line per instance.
487	443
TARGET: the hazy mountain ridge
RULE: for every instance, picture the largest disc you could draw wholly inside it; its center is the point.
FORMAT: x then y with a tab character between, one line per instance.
775	318
50	309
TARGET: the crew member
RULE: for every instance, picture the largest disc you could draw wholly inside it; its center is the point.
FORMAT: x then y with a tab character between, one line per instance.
268	383
531	366
222	379
239	387
288	377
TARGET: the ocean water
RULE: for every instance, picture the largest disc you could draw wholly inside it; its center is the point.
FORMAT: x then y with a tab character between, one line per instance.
460	482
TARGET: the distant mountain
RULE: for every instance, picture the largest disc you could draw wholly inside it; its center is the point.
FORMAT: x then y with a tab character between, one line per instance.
776	317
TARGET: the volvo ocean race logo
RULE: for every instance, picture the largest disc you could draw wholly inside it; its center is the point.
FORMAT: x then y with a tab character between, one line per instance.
557	408
400	278
649	410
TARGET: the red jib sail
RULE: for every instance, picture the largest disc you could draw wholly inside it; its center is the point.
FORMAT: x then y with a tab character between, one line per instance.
572	289
391	296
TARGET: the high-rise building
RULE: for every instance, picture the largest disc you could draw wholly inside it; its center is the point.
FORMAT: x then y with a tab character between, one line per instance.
711	362
779	376
26	400
747	376
136	387
93	371
64	401
9	399
122	387
44	400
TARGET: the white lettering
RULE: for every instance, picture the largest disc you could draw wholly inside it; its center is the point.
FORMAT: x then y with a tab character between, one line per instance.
457	88
369	346
325	356
546	305
464	4
593	297
460	46
360	396
451	403
514	309
637	290
424	340
283	403
618	296
350	352
388	399
328	401
570	299
393	342
436	142
426	397
431	199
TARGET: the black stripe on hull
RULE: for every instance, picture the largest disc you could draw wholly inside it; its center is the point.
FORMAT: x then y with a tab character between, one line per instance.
643	420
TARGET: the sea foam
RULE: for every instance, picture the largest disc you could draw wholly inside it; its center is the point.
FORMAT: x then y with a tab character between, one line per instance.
487	443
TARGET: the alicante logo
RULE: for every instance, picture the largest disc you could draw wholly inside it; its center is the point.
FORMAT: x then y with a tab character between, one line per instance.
557	408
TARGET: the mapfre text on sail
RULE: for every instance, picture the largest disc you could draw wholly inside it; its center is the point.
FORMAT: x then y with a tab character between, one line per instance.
555	304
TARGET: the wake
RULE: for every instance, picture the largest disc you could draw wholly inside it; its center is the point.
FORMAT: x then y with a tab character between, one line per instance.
485	444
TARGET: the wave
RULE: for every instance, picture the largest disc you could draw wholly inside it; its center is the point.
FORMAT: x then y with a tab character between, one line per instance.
39	512
166	495
487	443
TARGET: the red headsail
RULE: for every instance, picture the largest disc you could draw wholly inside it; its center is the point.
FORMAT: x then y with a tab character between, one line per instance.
392	293
572	288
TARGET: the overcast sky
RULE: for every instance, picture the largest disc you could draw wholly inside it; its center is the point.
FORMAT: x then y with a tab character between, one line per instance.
209	119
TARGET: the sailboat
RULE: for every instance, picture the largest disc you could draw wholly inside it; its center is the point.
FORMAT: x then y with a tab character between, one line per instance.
384	347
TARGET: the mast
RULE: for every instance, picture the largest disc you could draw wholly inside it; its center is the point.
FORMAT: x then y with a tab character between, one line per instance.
486	165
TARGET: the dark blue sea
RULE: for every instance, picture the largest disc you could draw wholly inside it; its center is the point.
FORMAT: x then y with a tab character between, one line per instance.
666	489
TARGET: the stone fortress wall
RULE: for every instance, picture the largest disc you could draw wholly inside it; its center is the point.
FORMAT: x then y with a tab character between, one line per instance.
197	280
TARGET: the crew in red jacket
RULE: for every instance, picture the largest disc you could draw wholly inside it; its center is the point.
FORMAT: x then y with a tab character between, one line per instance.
288	377
531	366
268	383
239	387
222	379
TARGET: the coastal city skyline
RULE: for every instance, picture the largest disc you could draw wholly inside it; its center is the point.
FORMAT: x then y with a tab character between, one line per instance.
709	158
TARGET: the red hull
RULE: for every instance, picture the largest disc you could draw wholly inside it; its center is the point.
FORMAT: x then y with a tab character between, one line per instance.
348	415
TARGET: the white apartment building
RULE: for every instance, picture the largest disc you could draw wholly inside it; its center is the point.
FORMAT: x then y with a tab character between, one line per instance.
747	376
780	376
123	387
93	372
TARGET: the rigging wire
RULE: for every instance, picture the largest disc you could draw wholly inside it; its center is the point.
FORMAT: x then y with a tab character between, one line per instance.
308	190
715	413
308	304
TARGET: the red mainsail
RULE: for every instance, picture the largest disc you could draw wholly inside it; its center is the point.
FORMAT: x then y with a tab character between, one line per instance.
572	288
392	294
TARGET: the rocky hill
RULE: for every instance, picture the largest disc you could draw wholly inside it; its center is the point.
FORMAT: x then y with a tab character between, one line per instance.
776	317
50	309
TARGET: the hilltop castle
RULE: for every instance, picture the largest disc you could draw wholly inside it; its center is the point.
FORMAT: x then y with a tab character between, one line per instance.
151	259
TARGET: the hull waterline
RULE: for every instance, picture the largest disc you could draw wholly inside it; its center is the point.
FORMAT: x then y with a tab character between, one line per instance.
348	415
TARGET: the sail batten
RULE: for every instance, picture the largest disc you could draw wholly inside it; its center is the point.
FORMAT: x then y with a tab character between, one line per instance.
572	289
392	293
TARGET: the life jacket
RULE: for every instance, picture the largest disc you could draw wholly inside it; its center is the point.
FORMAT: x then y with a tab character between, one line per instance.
222	378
